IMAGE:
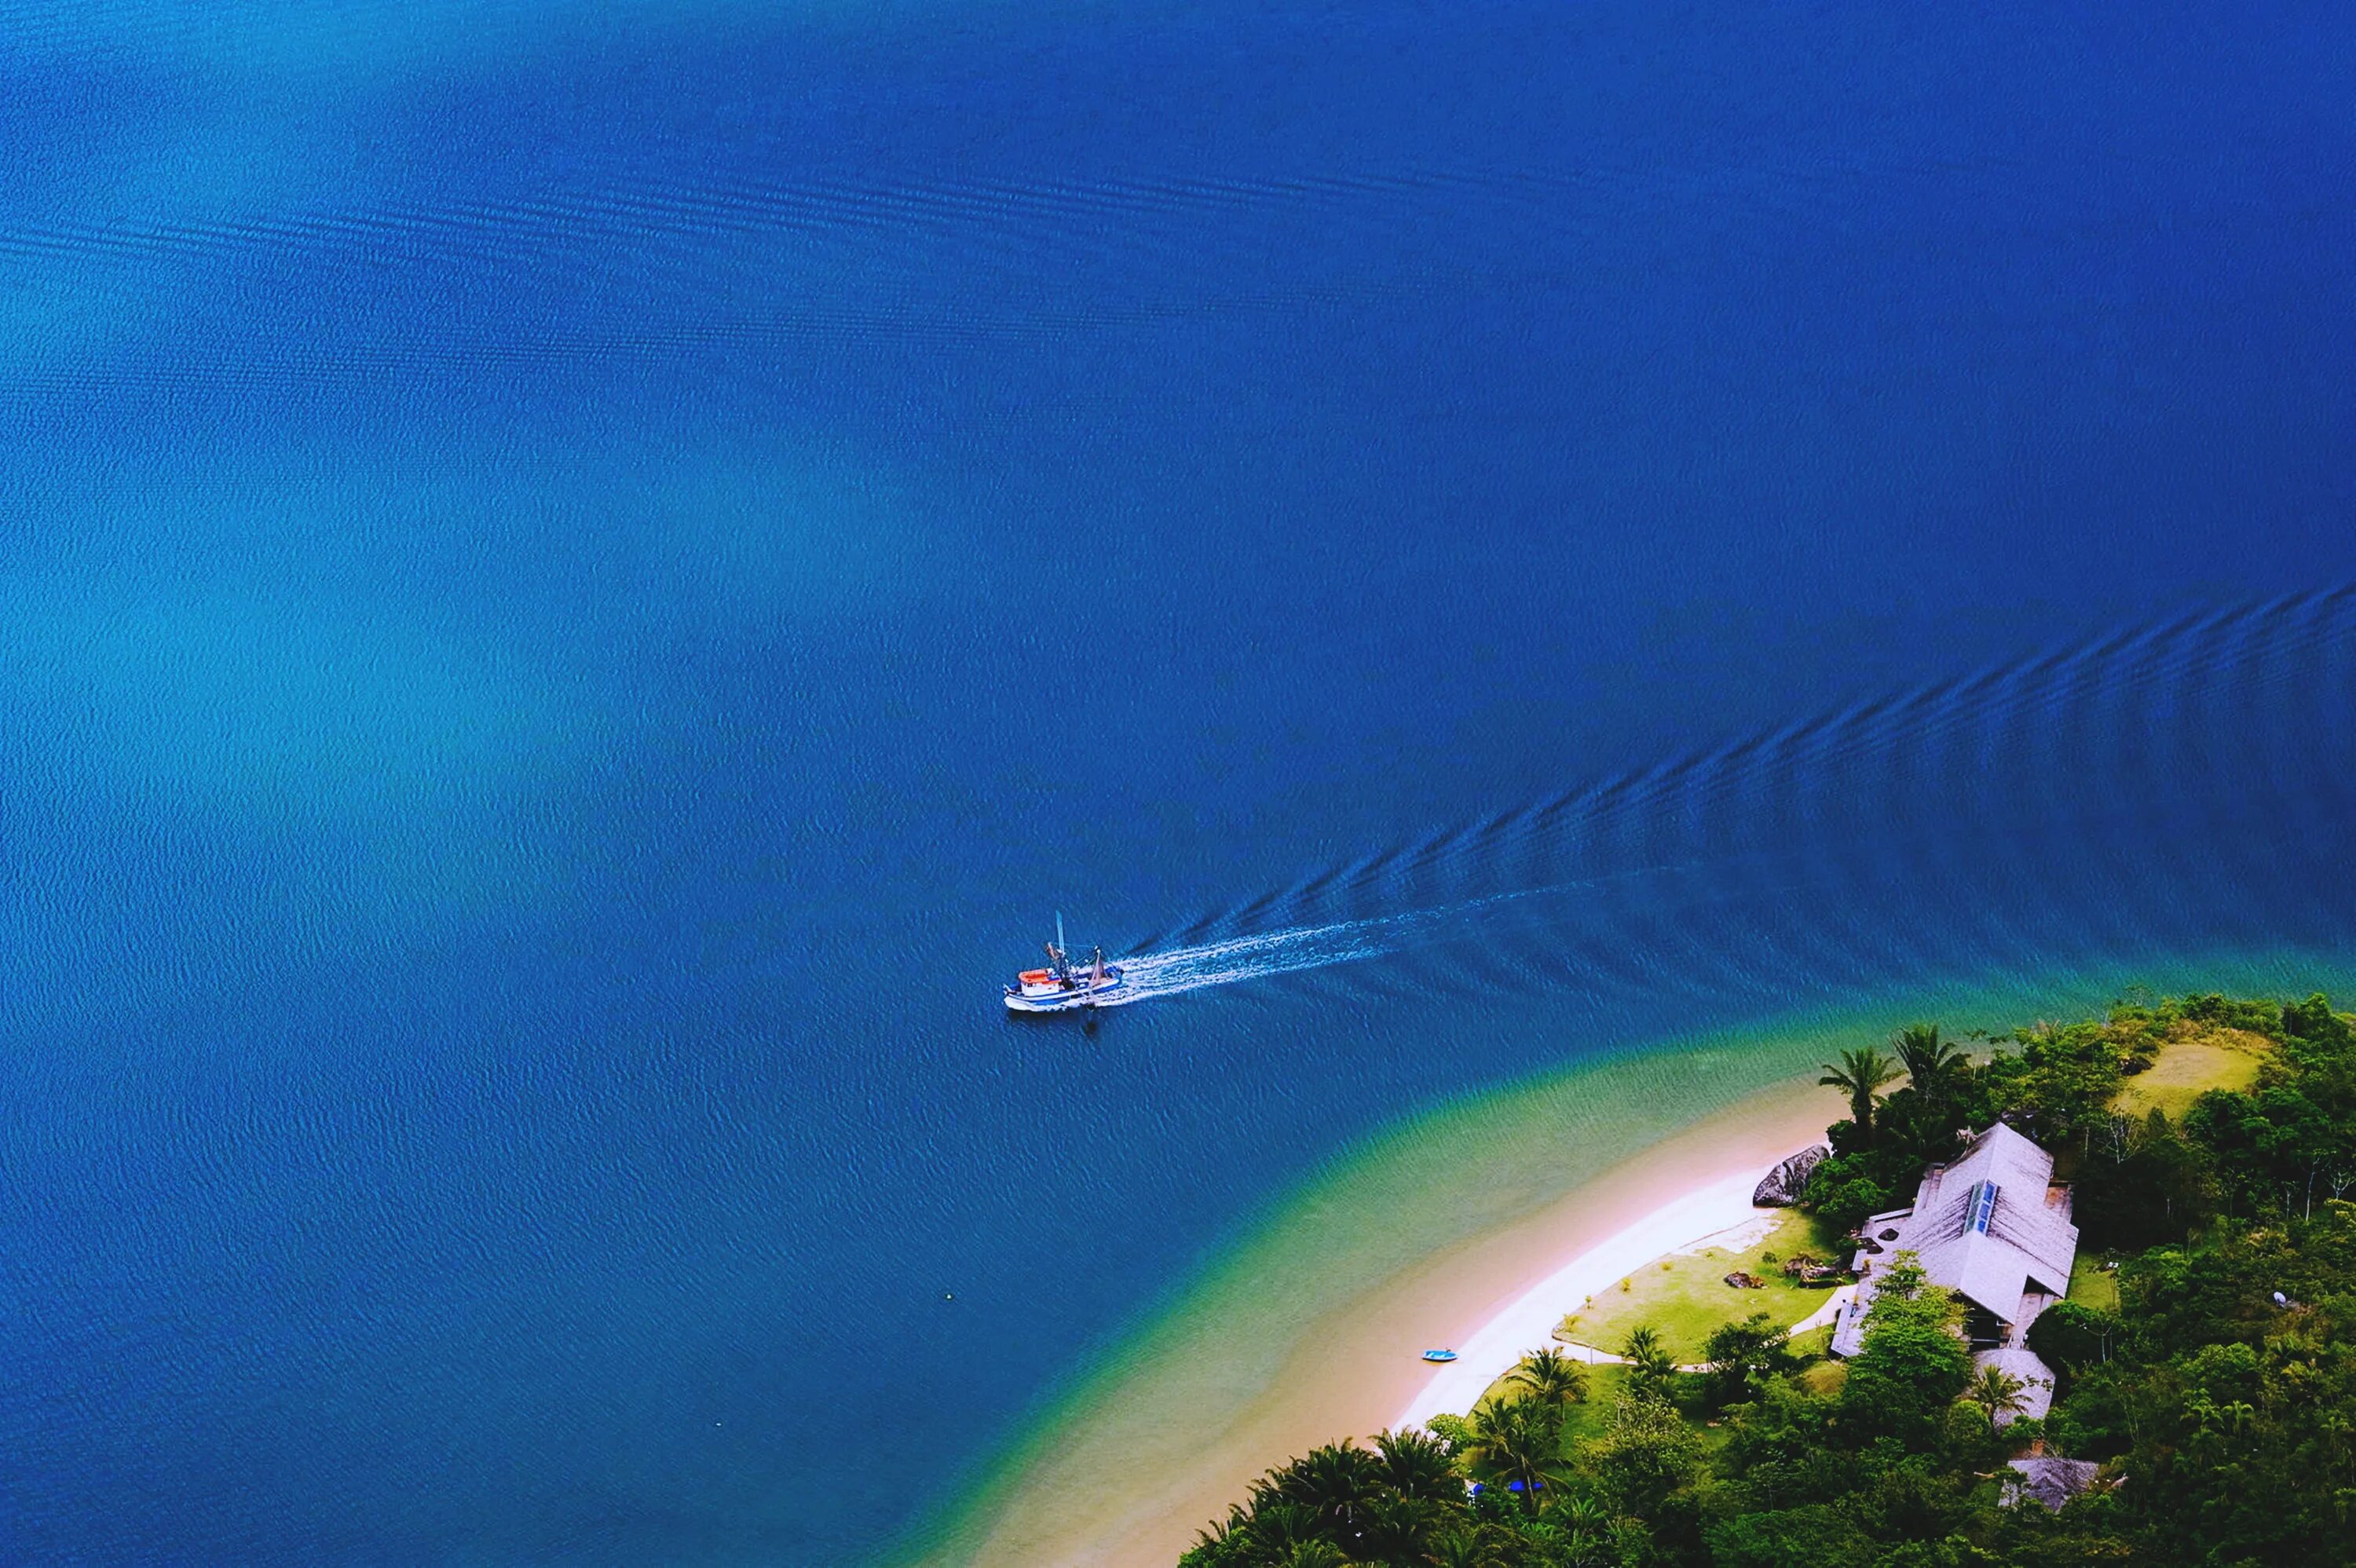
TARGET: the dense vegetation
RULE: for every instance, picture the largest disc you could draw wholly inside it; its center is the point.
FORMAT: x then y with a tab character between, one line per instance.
2220	1396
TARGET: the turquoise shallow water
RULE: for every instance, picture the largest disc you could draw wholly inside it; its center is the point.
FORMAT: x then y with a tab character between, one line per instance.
1253	1356
578	583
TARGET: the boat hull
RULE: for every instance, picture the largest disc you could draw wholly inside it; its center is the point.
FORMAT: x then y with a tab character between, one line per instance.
1104	996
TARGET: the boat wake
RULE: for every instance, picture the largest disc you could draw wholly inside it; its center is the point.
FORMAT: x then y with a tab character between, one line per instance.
1269	952
1558	908
2194	776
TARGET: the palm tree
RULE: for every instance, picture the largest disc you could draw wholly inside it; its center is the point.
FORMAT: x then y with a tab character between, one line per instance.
1332	1482
1461	1547
1552	1377
1997	1392
1649	1360
1585	1523
1278	1527
1928	1060
1417	1464
1395	1530
1314	1554
1860	1075
1220	1532
1517	1445
1583	1547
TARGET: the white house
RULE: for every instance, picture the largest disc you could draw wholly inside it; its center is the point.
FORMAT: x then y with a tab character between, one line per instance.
1995	1228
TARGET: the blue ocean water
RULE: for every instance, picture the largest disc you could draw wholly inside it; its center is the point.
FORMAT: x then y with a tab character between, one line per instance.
578	582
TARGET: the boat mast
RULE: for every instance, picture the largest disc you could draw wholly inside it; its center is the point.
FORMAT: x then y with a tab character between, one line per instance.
1055	953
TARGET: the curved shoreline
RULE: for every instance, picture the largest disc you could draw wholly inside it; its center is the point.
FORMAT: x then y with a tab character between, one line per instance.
1358	1366
1527	1321
1309	1325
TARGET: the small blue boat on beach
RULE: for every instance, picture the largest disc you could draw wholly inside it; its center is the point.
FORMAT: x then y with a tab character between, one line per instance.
1440	1355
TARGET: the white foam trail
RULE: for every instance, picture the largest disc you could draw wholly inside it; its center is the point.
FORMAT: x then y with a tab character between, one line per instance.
1250	957
1298	947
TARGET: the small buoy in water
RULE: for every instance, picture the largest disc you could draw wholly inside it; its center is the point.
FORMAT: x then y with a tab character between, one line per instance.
948	1295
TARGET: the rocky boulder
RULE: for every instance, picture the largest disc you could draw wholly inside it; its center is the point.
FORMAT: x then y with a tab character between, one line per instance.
1781	1187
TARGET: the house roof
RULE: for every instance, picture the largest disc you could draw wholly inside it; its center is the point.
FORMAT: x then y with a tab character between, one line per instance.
1982	1226
2035	1381
2051	1481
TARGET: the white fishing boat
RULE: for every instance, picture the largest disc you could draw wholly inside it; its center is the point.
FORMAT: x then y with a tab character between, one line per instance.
1062	985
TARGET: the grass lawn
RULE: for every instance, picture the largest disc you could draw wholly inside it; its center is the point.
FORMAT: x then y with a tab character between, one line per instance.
2092	1285
1685	1295
2196	1060
1588	1418
1602	1386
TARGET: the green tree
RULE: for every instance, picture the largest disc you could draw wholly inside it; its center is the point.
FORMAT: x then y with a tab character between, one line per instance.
1813	1535
1266	1534
1552	1377
1518	1442
2062	1081
2072	1337
1398	1531
2222	1389
1454	1432
2142	1184
1911	1365
1843	1192
1997	1392
1331	1483
1743	1356
1930	1062
2276	1146
2313	1023
1861	1075
1278	1527
1645	1452
1417	1464
1650	1365
1314	1554
1462	1547
1222	1543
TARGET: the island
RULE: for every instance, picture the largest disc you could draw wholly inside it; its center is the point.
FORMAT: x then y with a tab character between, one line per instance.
2081	1293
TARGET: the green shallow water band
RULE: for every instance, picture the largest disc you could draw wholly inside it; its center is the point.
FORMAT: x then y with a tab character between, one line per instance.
1473	1165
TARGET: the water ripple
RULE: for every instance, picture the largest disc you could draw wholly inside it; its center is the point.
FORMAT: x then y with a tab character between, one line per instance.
1728	866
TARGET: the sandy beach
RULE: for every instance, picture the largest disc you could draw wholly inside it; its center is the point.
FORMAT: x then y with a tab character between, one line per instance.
1494	1349
1122	1490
